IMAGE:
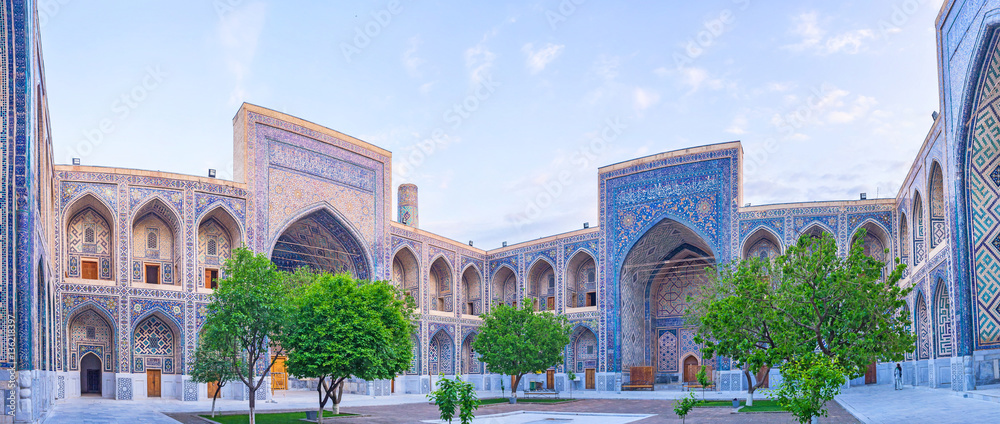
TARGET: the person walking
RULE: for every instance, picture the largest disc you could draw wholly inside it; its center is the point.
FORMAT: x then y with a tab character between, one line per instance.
898	373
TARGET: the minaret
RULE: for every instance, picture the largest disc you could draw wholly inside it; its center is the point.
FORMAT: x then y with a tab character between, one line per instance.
407	204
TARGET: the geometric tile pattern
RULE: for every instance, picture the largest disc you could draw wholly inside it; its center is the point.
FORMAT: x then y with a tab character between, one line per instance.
666	351
983	193
441	358
942	318
923	329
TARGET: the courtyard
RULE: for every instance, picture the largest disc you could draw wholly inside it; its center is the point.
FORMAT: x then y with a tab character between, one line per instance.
870	404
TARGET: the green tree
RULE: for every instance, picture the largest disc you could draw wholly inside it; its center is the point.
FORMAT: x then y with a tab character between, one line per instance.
684	405
703	380
516	341
249	310
810	381
340	327
810	299
452	393
212	361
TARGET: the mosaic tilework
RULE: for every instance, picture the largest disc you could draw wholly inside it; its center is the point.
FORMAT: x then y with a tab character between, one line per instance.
441	354
919	248
942	321
923	329
320	241
90	332
666	351
983	194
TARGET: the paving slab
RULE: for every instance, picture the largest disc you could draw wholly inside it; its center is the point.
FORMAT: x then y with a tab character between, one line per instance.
879	404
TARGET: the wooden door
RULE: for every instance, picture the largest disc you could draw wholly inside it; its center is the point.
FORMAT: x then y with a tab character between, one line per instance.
550	303
588	376
212	387
870	374
279	377
764	375
211	278
392	386
512	388
153	383
93	381
550	378
690	369
89	269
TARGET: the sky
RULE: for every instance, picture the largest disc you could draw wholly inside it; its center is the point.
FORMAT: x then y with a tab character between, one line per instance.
502	112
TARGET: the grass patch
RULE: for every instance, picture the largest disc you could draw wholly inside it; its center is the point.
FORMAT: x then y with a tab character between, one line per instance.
709	403
282	418
492	401
763	406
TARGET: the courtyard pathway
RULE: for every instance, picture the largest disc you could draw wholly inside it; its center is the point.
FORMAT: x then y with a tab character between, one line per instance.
881	404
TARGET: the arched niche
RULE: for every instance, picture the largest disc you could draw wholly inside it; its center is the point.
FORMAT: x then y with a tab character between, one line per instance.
472	291
762	243
936	187
157	251
581	280
218	235
439	286
542	285
505	287
406	273
90	239
318	240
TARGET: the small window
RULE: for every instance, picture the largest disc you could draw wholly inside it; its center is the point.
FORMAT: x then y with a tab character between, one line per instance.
91	333
572	300
440	304
89	268
592	299
552	283
151	240
88	235
590	350
211	279
590	276
152	274
212	248
470	308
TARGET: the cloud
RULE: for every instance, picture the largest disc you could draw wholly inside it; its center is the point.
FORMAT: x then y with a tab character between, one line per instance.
238	33
696	78
410	60
479	61
858	108
426	87
739	125
538	59
814	38
644	99
607	67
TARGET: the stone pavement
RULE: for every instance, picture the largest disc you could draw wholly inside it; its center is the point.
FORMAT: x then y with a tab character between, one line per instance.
882	404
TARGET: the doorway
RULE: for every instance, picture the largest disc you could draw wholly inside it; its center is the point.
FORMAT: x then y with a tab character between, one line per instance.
279	377
870	374
90	374
690	369
212	387
550	379
588	375
153	383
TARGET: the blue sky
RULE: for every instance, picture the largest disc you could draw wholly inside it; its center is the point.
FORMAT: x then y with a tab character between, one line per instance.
518	103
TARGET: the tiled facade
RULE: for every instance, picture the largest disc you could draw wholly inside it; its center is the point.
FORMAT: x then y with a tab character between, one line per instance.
115	265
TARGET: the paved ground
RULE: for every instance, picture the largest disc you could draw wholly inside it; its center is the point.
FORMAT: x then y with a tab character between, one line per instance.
872	404
882	404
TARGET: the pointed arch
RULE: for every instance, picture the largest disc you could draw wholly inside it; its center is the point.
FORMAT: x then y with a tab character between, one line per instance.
90	239
876	240
320	237
218	235
943	335
505	286
936	187
581	280
762	243
157	344
816	230
157	242
583	349
542	284
923	325
441	359
406	272
904	238
471	290
470	358
91	329
919	251
439	284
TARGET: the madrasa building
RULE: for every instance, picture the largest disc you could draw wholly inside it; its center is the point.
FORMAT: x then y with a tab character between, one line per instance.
106	272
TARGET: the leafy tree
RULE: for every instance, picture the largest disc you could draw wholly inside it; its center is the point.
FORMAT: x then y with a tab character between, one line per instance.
516	341
340	327
452	393
212	363
249	310
763	313
684	405
703	381
810	381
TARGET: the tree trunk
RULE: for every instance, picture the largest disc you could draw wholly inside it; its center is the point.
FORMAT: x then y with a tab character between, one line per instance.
252	404
517	382
751	387
214	397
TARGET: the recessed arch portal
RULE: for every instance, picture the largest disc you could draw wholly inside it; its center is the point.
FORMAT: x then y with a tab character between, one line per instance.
440	354
665	266
875	241
470	359
816	230
584	350
505	287
581	280
472	291
406	273
542	285
942	320
918	229
762	243
319	241
90	239
439	285
936	186
923	325
218	234
157	243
